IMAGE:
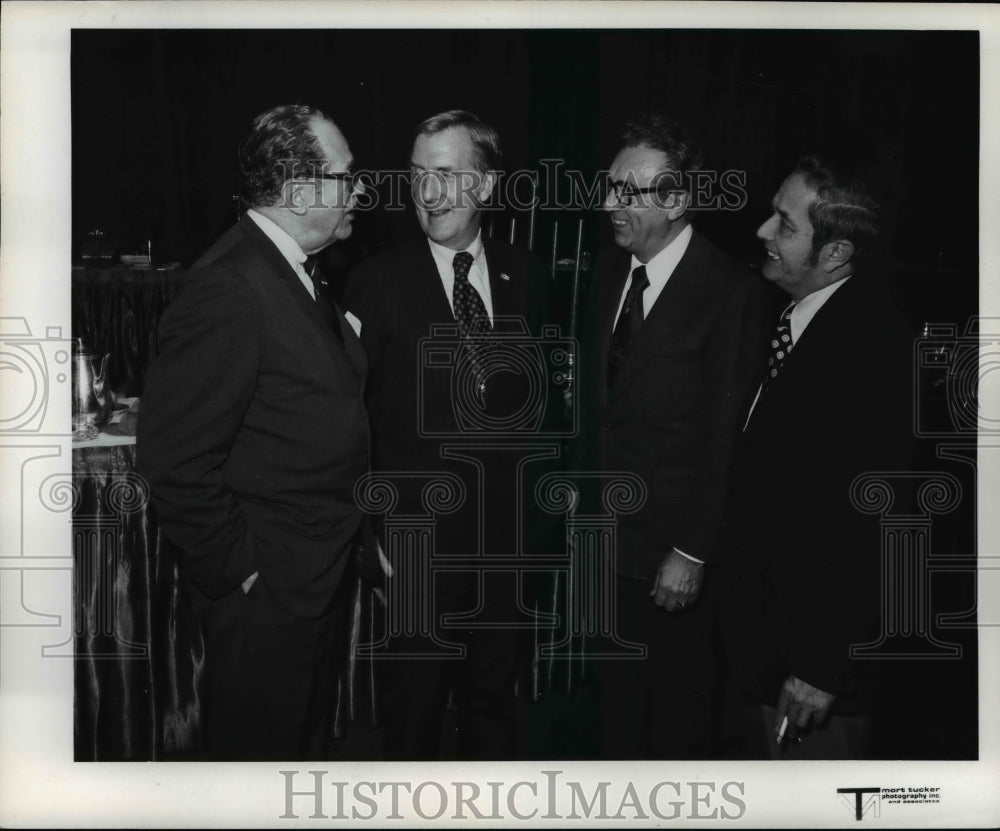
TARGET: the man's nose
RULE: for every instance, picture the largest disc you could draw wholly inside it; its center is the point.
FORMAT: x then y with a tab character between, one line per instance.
430	190
610	201
356	193
766	231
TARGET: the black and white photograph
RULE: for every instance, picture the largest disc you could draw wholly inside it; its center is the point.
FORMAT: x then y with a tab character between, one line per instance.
571	413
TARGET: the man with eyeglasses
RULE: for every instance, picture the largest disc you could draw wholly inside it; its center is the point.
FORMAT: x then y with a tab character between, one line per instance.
428	425
253	434
678	347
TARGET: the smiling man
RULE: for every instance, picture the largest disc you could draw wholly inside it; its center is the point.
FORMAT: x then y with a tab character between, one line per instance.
455	278
253	433
801	562
679	349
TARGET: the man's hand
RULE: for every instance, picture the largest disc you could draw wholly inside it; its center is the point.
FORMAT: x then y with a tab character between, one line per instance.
802	705
678	581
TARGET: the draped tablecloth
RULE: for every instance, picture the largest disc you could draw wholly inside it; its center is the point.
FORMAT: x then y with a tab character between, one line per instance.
139	670
116	311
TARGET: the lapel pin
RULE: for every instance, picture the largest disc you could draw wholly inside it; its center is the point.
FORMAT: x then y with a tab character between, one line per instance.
504	276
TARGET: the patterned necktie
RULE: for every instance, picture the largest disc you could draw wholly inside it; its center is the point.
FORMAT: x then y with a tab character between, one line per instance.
779	348
473	321
629	322
470	311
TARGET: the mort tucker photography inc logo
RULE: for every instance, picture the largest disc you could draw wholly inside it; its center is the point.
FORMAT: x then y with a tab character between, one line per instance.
865	802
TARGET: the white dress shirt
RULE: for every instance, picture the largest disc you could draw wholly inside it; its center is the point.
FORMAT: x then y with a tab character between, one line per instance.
802	314
479	277
658	271
288	247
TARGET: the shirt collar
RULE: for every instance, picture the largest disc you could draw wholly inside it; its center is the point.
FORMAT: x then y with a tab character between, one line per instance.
288	247
805	310
659	269
445	257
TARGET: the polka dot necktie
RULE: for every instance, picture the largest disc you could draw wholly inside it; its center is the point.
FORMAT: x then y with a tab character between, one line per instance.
780	347
629	322
473	321
470	311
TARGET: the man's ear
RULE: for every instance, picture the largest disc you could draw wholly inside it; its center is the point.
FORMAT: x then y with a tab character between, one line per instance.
677	202
836	254
294	197
486	187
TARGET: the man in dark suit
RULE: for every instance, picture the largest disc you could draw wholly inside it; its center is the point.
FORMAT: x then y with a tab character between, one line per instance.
802	562
427	422
253	435
678	352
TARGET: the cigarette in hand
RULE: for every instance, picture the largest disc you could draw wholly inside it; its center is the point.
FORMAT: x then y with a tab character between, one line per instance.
782	729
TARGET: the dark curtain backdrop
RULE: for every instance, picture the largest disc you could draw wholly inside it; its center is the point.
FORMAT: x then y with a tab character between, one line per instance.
157	116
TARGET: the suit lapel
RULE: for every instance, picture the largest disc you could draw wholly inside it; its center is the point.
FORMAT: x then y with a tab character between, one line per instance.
805	363
610	293
425	284
505	287
685	294
324	314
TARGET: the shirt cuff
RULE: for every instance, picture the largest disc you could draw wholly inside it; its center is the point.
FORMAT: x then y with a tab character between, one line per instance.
692	559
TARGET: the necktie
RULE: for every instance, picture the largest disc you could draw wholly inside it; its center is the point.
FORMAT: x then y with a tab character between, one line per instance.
470	311
328	306
779	348
629	322
473	321
311	266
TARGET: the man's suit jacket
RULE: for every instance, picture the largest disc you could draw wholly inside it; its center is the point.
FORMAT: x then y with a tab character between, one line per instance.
675	408
801	563
398	297
253	430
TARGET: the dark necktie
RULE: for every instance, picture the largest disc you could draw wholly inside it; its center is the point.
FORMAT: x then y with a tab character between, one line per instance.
629	322
779	348
473	321
320	285
470	311
311	266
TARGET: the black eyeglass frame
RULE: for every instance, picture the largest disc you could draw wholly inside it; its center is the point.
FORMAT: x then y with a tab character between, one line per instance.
627	198
348	178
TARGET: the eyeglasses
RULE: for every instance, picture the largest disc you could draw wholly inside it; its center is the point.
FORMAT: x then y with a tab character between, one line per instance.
626	195
347	178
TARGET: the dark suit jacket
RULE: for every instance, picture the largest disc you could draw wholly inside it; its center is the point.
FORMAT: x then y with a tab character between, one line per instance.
415	410
801	563
253	429
677	404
